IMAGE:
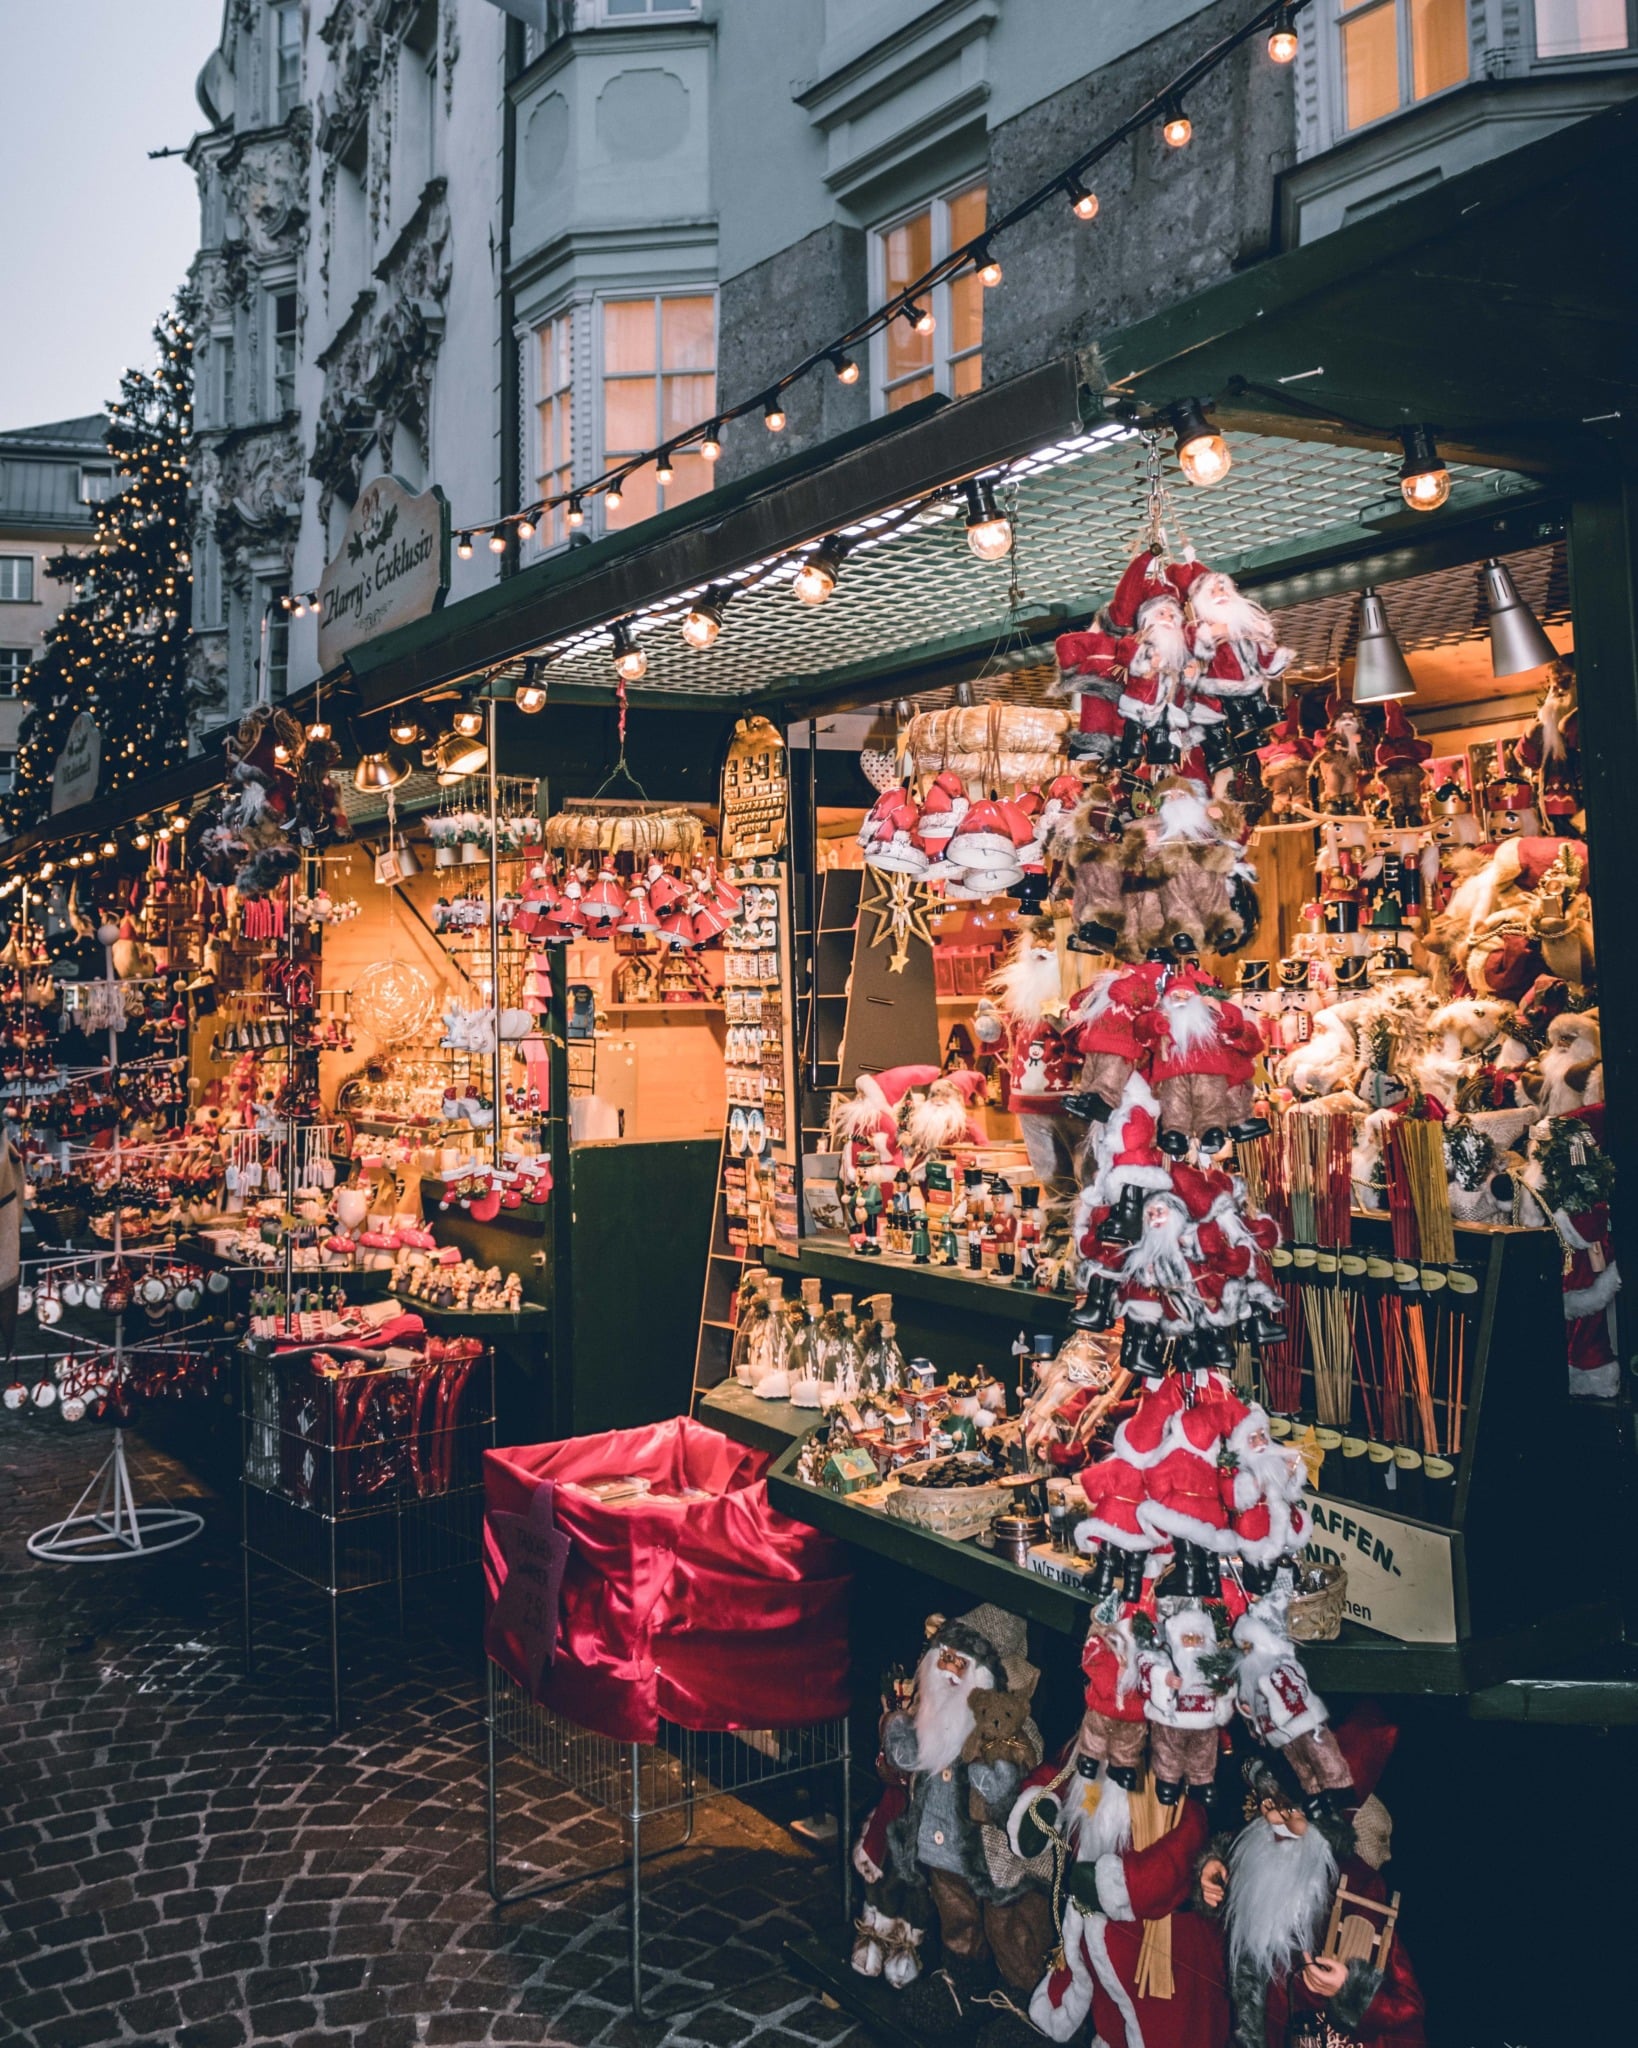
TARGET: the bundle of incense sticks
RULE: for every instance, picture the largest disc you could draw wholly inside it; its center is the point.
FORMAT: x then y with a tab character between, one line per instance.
1329	1313
1423	1148
1282	1363
1318	1148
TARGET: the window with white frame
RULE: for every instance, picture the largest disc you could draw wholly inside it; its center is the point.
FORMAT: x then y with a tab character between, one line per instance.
96	483
207	582
16	579
8	774
281	354
221	348
643	10
1396	52
950	359
1582	28
14	663
278	641
285	64
659	374
554	416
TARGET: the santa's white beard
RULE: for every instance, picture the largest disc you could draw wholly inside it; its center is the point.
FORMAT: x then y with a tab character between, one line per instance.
1098	1817
1164	649
939	1119
944	1714
1268	1475
1158	1259
1279	1893
1552	739
1029	983
1190	1021
1184	816
1217	604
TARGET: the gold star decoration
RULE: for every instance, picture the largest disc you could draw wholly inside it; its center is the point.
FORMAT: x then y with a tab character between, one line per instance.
901	910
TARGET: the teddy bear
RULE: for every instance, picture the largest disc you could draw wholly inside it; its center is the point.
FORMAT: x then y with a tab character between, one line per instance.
997	1737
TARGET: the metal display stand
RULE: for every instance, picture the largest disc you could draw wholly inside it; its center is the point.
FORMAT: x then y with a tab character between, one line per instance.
119	1525
305	1513
640	1782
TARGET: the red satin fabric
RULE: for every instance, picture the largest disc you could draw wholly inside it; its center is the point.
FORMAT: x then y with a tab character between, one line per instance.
716	1614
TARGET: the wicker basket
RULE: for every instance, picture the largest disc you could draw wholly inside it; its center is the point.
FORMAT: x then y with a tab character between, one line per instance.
954	1511
1315	1613
990	746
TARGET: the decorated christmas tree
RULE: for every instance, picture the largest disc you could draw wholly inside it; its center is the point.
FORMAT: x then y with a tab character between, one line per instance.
119	650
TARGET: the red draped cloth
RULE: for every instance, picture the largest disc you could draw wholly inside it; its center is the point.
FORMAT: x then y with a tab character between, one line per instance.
716	1614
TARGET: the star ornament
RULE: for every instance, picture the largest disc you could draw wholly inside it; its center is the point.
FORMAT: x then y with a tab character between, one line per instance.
901	910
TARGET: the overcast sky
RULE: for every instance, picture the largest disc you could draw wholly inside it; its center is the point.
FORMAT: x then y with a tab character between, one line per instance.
97	237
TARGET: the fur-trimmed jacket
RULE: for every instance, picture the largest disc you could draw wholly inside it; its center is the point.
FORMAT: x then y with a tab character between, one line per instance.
1377	2008
936	1827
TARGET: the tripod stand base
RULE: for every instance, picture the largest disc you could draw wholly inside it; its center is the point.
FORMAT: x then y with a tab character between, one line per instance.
117	1526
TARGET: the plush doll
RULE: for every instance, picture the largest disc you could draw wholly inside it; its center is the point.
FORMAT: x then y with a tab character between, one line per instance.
997	1738
1336	770
1186	1676
1203	1050
1551	751
1093	665
1234	641
1401	778
1282	1710
1285	763
1572	1064
867	1126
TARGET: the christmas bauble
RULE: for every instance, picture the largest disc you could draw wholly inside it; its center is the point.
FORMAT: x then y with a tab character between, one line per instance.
93	1294
218	1283
73	1408
43	1394
48	1309
15	1395
187	1297
154	1290
73	1293
25	1300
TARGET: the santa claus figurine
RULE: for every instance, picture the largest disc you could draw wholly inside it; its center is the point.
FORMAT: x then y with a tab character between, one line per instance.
1029	1017
1283	1872
988	1927
1114	1528
1142	1951
1401	777
1160	665
1285	763
1188	1697
867	1126
1203	1050
1551	751
1101	1026
1263	1483
1233	639
943	1117
1184	1504
1284	1712
1092	666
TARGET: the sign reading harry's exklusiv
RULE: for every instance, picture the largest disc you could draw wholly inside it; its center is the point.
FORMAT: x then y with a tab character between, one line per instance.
392	566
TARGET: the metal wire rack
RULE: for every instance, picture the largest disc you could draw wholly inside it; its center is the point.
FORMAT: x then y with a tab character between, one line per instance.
1077	508
638	1782
348	1488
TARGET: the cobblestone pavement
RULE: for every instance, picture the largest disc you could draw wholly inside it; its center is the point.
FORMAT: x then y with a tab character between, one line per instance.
187	1857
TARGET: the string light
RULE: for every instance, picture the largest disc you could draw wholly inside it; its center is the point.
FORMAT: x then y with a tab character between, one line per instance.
1282	37
663	472
1175	124
497	542
773	414
530	694
816	578
989	271
575	517
918	319
704	619
1424	481
468	722
989	530
404	731
614	497
630	662
847	370
1083	203
463	547
526	527
1202	453
711	446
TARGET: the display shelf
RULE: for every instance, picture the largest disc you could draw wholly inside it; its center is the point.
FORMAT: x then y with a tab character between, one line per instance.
948	1286
873	2004
763	1425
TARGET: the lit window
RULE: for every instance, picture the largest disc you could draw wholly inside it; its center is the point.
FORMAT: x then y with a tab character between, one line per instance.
1395	52
950	359
1581	28
16	579
8	774
283	353
286	60
14	663
96	486
278	641
555	464
659	379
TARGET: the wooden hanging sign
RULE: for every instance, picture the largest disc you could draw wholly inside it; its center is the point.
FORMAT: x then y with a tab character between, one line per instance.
755	792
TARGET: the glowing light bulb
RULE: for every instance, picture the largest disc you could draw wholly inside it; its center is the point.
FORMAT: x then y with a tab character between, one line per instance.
703	622
1424	481
1202	453
1175	125
773	414
711	446
816	578
1282	37
575	516
989	531
497	542
463	547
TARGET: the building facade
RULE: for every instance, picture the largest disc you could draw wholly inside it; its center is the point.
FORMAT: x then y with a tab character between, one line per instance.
503	245
350	182
51	480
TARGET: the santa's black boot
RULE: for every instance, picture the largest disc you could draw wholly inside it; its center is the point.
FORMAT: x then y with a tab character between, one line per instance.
1131	1578
1142	1350
1192	1575
1263	1330
1087	1107
1097	1312
1105	1573
1249	1127
1169	1791
1258	1579
1217	747
1123	1775
1212	1140
1124	1223
1175	1144
945	2005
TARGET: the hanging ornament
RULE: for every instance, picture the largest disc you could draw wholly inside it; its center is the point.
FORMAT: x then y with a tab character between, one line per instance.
394	1000
901	910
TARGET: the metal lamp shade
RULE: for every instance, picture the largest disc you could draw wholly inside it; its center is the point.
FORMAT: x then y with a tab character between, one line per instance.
1380	672
459	755
1517	642
377	773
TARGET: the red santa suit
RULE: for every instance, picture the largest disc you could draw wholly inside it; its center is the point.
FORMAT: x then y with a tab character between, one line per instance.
1231	635
1102	1947
1263	1485
1112	1728
1393	2015
1102	1025
1185	1495
1279	1706
1096	661
869	1124
1202	1058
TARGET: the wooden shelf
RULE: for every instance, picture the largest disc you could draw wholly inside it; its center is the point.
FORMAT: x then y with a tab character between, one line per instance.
763	1425
946	1285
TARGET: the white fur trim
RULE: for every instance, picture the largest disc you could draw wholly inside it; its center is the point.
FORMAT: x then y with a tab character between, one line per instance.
1121	1445
1599	1383
1588	1301
1053	1788
1059	2022
1172	1522
866	1865
1106	1532
1113	1896
1098	1949
1157	1179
